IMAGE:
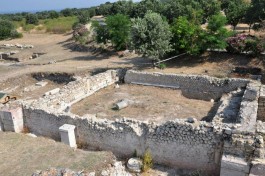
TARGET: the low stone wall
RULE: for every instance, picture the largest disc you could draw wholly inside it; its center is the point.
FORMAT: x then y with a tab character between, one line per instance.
261	109
183	143
192	86
176	143
76	91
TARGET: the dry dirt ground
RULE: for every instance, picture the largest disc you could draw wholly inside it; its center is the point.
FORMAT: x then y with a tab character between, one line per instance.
24	87
22	155
59	48
147	103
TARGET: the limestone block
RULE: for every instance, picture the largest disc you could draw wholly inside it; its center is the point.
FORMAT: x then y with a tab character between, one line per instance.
258	168
12	120
52	92
233	166
67	133
41	84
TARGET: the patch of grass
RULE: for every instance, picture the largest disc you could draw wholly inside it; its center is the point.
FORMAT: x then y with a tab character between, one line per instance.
28	27
60	25
19	24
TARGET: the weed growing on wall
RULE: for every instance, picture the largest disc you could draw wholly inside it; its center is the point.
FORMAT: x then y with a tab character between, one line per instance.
147	160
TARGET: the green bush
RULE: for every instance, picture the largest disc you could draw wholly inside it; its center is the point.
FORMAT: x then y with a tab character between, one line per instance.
8	30
119	29
162	66
32	19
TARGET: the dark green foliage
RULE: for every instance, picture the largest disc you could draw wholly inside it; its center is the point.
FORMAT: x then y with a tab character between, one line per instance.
84	17
17	18
119	30
216	32
141	8
151	36
188	37
53	14
235	11
255	13
102	33
7	30
67	12
32	19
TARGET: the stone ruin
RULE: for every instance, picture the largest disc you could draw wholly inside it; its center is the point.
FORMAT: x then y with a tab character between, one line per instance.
231	143
13	52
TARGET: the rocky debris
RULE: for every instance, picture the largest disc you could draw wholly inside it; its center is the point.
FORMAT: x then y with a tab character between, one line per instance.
34	56
261	127
191	120
61	172
116	169
135	165
20	46
52	92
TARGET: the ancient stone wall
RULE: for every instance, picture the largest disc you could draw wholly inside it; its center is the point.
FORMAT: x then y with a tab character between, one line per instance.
183	143
192	86
76	91
176	143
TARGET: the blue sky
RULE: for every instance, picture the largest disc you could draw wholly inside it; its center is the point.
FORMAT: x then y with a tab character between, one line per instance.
38	5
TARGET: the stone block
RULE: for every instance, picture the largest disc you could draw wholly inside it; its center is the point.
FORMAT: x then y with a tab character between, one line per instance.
258	168
12	120
233	166
41	84
67	133
52	92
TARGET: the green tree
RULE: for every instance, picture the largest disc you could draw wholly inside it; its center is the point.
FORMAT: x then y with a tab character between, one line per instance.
119	30
255	13
84	17
235	11
143	6
8	30
151	36
32	19
101	32
124	7
67	12
216	32
53	14
188	37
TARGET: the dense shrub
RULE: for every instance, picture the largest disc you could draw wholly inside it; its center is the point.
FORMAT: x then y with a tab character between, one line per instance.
32	19
187	37
244	43
151	36
8	30
119	30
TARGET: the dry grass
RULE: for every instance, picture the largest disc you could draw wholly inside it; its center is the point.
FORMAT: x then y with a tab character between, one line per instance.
22	155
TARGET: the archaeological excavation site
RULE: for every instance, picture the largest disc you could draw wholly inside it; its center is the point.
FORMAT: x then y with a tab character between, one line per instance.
189	122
